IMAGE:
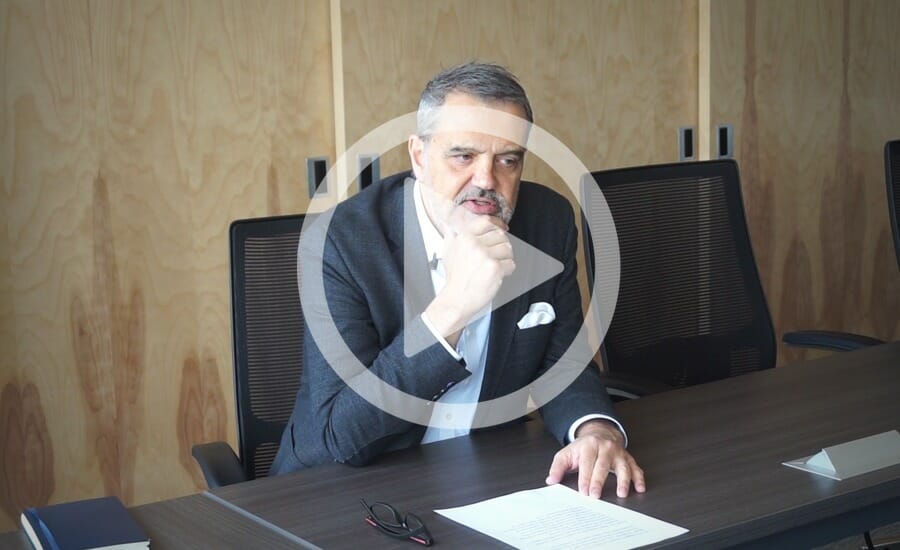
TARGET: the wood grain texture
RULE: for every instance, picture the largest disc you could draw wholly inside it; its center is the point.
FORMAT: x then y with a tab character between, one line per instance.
133	132
26	452
612	80
811	89
108	337
202	410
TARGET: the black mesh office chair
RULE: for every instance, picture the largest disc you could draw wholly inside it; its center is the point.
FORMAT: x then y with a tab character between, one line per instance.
846	341
267	327
690	307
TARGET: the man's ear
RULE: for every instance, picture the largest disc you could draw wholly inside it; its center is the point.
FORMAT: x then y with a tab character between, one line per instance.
416	147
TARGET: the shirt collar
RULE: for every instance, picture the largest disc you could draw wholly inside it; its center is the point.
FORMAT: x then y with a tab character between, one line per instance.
434	243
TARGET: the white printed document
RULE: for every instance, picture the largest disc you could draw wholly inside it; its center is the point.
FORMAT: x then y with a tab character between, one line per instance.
556	517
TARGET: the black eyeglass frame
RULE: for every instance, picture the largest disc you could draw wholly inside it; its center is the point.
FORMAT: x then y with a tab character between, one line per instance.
399	527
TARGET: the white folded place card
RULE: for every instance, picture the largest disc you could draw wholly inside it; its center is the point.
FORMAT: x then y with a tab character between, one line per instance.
854	457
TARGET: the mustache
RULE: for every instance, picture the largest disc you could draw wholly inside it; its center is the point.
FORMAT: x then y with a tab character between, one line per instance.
473	192
478	193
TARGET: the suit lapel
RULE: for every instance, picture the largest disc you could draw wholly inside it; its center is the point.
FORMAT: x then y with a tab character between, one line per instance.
408	253
503	328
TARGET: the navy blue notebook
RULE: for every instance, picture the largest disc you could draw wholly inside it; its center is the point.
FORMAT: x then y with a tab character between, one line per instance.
82	525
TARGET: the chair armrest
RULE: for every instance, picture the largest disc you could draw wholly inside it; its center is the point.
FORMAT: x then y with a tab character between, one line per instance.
628	386
829	340
219	464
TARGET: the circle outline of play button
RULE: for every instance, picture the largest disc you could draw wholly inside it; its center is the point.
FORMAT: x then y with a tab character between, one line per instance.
500	409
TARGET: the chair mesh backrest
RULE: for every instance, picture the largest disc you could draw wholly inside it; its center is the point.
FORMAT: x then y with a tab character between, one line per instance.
892	169
268	330
690	307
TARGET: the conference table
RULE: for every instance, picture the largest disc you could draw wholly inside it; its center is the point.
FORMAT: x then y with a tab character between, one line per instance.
712	455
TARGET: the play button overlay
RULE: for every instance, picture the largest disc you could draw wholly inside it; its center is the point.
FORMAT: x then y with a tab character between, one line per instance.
533	267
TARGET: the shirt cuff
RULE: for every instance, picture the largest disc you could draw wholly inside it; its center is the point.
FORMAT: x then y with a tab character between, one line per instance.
440	338
585	418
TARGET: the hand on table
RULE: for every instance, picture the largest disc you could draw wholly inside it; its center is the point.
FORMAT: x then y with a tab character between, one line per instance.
597	451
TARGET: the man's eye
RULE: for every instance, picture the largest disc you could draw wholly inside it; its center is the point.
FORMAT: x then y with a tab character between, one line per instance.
509	162
462	157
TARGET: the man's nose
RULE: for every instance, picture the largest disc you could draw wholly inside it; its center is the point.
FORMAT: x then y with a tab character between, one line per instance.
484	176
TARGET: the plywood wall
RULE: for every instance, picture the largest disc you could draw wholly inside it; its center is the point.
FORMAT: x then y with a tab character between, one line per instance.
612	80
811	87
132	133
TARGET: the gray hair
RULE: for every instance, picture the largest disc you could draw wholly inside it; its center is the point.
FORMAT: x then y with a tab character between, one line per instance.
485	81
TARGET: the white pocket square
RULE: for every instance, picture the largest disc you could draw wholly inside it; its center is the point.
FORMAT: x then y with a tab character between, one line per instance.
539	313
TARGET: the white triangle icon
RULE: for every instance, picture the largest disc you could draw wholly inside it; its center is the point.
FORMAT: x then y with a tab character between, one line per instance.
533	267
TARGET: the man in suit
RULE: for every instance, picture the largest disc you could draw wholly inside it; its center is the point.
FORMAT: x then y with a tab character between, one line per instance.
454	338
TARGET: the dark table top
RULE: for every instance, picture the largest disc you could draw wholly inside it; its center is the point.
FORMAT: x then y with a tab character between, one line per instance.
712	456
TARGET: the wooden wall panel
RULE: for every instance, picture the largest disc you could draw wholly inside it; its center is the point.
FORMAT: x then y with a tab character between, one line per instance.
132	134
47	135
810	87
613	80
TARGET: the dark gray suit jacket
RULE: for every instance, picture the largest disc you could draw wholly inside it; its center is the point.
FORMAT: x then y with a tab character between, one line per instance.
363	277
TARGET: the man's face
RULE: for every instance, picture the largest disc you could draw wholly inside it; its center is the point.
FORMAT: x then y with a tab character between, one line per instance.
465	174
